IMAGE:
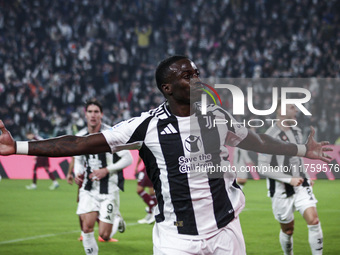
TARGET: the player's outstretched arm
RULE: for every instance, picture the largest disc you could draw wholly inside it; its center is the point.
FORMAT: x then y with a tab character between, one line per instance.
55	147
266	144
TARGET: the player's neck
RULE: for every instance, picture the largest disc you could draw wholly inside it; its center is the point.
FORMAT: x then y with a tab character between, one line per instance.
283	128
93	129
181	110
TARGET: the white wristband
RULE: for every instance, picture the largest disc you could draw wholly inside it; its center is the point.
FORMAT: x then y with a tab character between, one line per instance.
22	148
301	150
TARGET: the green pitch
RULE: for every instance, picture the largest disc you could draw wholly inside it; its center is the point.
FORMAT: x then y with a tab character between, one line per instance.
44	222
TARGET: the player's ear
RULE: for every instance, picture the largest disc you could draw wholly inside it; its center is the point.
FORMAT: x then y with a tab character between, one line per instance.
167	88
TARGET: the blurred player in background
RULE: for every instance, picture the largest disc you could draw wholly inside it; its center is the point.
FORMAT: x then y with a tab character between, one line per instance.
77	124
41	162
70	179
149	198
241	158
291	190
100	177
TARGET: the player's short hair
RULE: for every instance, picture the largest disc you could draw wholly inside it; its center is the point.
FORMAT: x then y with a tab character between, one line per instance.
95	102
161	74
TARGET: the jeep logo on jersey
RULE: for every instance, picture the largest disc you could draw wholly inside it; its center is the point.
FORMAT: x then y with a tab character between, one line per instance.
193	143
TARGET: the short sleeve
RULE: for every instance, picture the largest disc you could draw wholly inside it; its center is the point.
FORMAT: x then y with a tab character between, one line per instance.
236	132
125	135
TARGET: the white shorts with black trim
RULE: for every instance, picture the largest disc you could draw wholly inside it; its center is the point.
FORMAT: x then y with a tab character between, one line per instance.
284	208
107	205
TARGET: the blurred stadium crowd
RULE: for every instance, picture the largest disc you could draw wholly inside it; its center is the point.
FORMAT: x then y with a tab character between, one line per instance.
56	54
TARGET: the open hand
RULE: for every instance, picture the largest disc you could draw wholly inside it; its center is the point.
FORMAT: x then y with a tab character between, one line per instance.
317	150
7	144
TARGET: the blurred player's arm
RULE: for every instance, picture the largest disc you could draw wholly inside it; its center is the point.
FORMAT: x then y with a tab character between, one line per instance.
263	143
78	170
69	176
124	161
245	156
137	165
276	173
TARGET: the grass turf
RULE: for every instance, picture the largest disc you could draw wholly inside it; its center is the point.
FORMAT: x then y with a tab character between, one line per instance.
44	222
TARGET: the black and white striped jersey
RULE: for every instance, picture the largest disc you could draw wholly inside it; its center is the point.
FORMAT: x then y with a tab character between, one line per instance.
183	158
87	163
280	168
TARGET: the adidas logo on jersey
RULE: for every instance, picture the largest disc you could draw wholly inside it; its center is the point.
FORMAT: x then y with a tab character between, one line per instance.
108	217
169	129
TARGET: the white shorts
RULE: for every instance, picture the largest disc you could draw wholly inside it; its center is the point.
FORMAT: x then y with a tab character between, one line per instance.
284	208
228	240
107	205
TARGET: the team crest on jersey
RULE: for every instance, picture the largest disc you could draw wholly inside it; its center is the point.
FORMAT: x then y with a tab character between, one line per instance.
209	122
193	143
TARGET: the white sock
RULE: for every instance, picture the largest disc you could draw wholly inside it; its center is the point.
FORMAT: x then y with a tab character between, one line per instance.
55	182
315	238
115	225
286	243
90	244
